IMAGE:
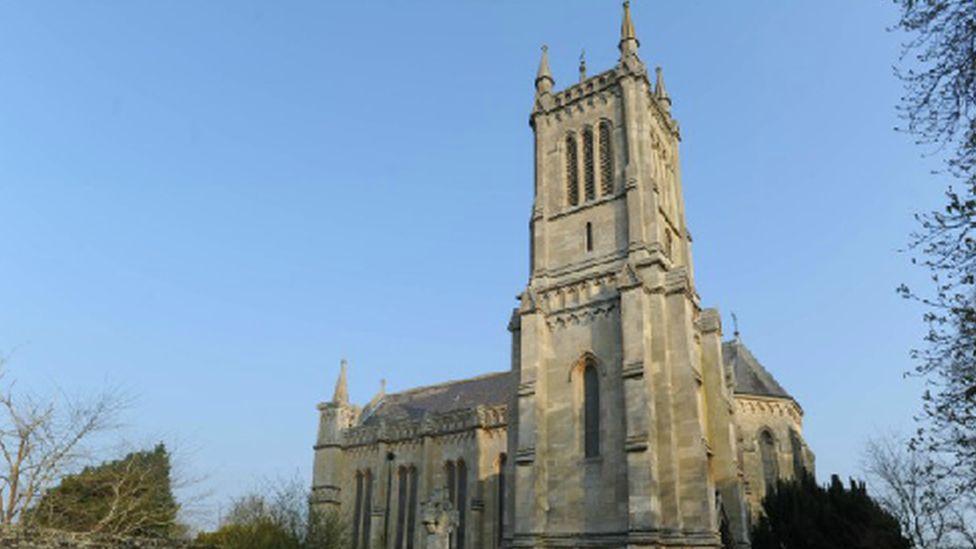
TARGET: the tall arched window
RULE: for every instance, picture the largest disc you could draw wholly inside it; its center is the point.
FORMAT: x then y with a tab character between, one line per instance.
591	411
572	171
796	448
501	498
606	159
357	520
401	524
767	453
589	175
412	508
462	501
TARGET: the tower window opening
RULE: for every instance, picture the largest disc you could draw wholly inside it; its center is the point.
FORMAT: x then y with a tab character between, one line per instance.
668	244
589	175
589	236
591	411
606	159
572	172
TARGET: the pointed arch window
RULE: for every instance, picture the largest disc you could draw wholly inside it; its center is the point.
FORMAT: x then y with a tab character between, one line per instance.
591	410
589	174
572	171
357	519
462	502
457	494
367	508
401	525
796	448
502	459
767	453
606	159
362	509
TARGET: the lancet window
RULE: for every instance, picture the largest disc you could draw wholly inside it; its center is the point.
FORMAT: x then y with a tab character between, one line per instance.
767	453
591	410
406	525
457	492
362	510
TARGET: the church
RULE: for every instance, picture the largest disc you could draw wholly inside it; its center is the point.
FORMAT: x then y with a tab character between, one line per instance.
624	419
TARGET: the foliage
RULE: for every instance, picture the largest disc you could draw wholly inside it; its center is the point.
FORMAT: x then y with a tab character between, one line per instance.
939	107
802	515
278	517
910	486
41	439
130	496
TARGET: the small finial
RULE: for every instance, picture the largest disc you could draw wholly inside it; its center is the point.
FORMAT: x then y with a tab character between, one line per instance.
660	92
582	65
543	78
735	326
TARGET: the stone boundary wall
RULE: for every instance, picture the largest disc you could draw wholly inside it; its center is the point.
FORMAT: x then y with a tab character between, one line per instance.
16	538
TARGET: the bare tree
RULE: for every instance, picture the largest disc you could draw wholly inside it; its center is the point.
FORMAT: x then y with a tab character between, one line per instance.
42	439
939	110
910	486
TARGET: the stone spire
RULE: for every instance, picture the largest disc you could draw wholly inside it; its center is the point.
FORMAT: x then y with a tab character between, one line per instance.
341	394
659	92
543	79
582	66
628	38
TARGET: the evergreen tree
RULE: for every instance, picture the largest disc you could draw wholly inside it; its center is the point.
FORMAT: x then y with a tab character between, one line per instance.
803	515
130	496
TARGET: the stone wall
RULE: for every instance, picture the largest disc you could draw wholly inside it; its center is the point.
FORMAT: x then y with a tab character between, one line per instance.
16	538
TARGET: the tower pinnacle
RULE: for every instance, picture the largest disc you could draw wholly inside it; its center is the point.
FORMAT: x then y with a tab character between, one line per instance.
543	79
660	92
582	66
628	38
341	394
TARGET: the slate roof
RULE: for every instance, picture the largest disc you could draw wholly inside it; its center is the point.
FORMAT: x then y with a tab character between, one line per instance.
487	390
494	389
750	376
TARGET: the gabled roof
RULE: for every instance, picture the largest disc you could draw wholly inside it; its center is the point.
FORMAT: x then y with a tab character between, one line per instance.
487	390
750	376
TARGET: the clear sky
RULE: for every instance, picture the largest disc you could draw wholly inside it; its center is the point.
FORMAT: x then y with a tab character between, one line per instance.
210	203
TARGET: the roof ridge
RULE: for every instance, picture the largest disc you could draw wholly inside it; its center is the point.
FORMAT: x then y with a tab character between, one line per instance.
447	383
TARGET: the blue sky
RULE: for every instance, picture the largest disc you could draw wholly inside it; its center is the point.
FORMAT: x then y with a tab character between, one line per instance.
210	203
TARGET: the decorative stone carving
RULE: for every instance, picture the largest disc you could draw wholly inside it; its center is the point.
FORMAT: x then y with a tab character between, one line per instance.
440	519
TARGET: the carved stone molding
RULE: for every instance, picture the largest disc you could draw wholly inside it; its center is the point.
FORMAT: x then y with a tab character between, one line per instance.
582	315
636	443
525	456
634	370
710	321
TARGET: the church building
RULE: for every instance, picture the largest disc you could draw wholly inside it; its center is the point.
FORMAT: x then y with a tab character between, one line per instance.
624	419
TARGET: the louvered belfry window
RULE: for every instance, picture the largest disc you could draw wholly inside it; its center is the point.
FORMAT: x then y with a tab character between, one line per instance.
606	159
572	172
589	175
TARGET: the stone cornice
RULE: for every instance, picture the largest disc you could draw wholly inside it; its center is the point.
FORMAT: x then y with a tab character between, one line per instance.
746	404
435	425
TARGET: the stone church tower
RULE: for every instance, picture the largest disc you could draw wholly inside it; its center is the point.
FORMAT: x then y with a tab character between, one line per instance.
622	426
624	420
